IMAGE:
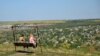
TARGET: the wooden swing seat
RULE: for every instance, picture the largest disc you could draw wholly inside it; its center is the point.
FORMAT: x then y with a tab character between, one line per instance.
25	45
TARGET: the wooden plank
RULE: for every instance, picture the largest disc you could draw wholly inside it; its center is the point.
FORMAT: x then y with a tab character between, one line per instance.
25	44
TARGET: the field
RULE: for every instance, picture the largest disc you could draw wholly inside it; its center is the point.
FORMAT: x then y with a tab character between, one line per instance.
8	50
61	38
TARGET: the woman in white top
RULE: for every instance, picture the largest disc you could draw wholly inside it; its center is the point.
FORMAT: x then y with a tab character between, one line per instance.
32	39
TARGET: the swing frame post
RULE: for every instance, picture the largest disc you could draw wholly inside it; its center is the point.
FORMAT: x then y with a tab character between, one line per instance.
13	29
39	39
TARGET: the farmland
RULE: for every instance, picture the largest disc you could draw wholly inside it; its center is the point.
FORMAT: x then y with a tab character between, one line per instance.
65	37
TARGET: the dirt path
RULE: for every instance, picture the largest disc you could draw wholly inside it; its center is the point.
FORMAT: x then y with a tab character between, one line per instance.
19	54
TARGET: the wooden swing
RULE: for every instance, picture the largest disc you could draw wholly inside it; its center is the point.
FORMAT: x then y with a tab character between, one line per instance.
25	44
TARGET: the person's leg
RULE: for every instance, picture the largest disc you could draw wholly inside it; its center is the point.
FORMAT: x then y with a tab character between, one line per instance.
34	45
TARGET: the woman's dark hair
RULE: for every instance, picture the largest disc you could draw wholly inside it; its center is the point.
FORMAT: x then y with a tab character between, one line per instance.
22	35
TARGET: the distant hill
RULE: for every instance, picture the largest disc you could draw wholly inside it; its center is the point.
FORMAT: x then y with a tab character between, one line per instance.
68	22
31	22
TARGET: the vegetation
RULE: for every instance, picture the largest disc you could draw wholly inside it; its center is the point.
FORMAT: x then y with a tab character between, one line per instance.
74	37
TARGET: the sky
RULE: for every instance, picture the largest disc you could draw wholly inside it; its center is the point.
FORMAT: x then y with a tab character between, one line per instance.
16	10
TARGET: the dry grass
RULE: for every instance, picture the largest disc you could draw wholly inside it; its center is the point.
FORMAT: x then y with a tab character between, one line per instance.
8	50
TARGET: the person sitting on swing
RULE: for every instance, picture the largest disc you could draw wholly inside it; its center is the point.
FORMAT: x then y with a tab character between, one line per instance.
32	39
22	39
